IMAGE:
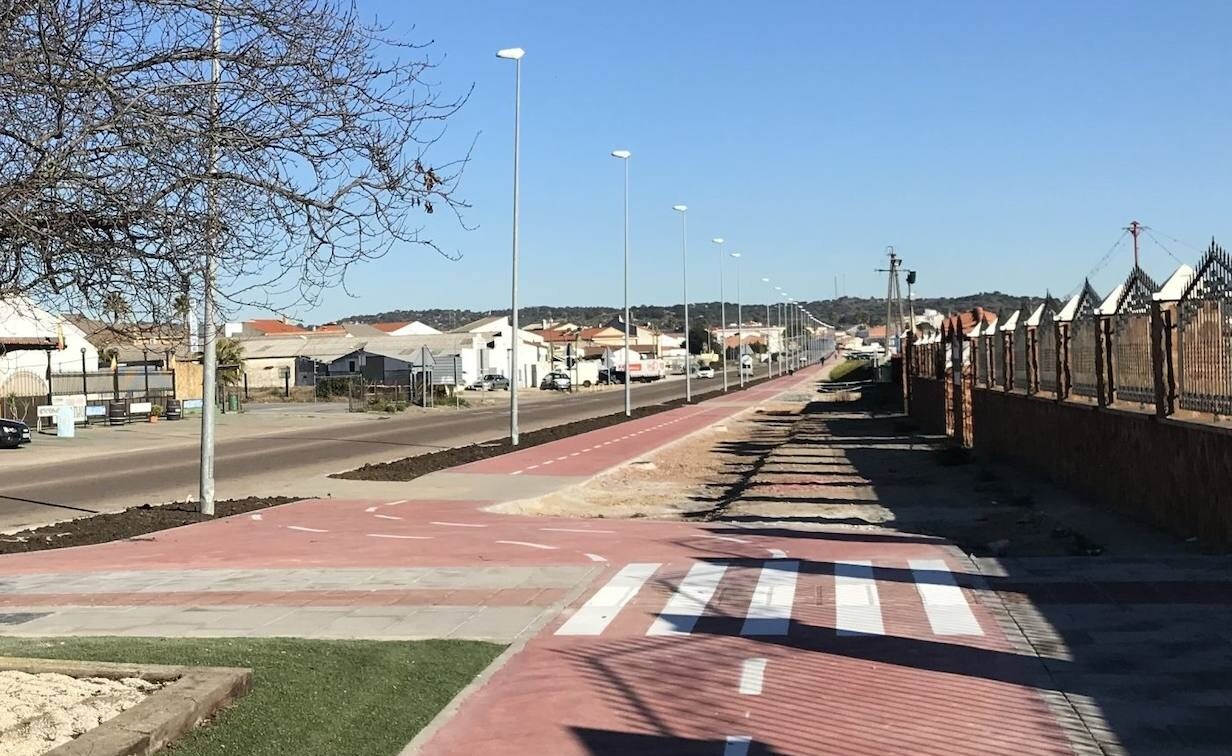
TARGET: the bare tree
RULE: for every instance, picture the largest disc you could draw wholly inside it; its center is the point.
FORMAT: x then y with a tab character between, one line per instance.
251	151
321	127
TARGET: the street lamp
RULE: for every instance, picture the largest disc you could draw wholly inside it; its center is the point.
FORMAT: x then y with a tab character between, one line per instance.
515	54
739	323
684	267
769	352
623	156
722	315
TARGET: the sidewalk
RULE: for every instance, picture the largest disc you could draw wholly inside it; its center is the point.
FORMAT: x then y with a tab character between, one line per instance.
825	610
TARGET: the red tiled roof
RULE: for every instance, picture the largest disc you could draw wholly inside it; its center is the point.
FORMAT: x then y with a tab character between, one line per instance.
390	327
329	328
560	337
271	326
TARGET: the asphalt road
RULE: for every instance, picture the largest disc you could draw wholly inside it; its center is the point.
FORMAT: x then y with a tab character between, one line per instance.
42	492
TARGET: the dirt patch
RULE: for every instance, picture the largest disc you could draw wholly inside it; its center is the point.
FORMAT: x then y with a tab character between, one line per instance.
684	480
41	711
410	468
136	521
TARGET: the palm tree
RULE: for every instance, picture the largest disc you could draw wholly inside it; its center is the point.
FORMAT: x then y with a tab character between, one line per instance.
230	360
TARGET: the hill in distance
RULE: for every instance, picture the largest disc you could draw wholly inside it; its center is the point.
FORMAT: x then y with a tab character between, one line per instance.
844	311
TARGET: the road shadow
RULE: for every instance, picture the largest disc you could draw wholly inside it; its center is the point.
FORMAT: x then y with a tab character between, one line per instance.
1127	650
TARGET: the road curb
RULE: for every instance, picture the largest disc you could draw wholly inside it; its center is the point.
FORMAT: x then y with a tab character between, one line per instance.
191	695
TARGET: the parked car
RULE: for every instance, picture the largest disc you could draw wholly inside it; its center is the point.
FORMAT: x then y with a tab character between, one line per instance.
556	382
611	376
13	434
705	372
490	382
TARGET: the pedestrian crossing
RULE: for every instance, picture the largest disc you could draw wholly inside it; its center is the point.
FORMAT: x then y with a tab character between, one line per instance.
853	598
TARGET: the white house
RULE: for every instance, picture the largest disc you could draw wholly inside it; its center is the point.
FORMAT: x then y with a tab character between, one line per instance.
496	332
31	340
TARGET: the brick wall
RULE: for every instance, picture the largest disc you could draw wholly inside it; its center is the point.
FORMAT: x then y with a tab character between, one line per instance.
1173	474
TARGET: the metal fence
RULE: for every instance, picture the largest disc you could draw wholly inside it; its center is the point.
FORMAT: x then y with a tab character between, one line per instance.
1204	337
1083	345
1132	375
1169	348
1046	350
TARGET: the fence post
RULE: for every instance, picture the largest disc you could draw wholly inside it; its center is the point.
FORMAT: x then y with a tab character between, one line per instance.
1161	360
49	376
908	371
1064	373
1032	361
1102	361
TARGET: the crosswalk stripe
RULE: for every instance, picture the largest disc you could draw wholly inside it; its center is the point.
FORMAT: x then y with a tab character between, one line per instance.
857	605
944	603
769	612
595	615
689	601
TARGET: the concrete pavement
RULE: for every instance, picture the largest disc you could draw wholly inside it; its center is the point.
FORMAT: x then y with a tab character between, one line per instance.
837	634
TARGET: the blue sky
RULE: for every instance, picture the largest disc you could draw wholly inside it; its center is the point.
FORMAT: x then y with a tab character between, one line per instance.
996	145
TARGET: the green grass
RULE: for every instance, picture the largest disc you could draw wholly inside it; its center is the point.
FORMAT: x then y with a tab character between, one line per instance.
851	370
309	698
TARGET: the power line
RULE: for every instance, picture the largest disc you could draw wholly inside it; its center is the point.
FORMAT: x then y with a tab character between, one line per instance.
1103	261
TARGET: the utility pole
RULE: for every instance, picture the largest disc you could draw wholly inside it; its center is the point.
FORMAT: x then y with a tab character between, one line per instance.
209	351
910	300
1135	228
894	294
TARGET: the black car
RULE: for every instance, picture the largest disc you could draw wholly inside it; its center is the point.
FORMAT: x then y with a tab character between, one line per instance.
13	434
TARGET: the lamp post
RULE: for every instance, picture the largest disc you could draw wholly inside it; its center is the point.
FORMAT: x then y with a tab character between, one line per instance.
769	352
739	323
722	315
684	269
515	54
85	392
623	156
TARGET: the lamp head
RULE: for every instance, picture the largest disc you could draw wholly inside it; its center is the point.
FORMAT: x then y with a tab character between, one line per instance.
622	154
511	53
680	208
718	240
735	254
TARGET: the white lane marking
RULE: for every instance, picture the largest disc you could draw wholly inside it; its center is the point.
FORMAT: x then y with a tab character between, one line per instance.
944	603
856	602
256	516
306	530
574	454
575	530
688	603
752	676
588	448
769	612
529	544
532	467
550	461
595	615
388	517
392	503
737	745
458	524
595	558
778	554
723	538
407	537
563	457
516	472
370	509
